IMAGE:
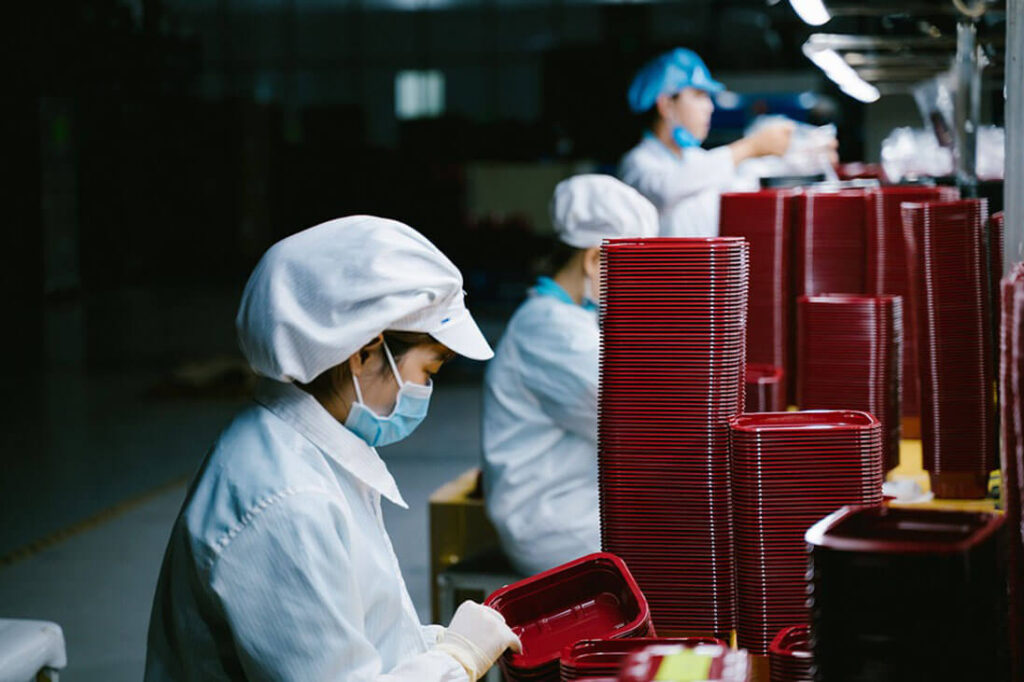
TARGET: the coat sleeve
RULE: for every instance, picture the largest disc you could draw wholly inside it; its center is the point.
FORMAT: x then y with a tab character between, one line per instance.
287	589
560	368
666	182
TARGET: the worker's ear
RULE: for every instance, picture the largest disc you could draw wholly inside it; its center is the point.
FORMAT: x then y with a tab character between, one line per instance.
357	361
592	263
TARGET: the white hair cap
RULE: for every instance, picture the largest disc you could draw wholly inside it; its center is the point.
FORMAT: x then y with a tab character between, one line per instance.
320	295
587	209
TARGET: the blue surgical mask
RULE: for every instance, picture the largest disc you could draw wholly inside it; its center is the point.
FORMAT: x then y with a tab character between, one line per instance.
684	138
411	405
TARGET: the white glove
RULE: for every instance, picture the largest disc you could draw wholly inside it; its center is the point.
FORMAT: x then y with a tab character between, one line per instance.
476	637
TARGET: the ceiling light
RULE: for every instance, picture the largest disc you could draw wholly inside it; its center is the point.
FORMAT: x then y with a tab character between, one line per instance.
841	73
812	12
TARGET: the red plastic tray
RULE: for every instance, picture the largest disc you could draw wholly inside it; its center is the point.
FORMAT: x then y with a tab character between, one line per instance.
594	597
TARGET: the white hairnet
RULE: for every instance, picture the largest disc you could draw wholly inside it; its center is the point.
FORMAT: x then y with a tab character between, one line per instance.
318	296
587	209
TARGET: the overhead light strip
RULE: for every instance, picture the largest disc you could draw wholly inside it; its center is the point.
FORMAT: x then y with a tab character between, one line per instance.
841	73
812	12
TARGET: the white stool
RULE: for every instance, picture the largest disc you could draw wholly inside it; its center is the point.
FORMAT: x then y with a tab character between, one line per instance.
31	650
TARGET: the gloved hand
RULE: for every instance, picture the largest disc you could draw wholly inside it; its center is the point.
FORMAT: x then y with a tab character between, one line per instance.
476	637
772	140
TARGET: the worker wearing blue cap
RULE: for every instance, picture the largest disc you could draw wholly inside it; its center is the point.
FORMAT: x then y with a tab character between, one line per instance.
668	166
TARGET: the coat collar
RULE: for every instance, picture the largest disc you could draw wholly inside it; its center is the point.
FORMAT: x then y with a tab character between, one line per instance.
307	416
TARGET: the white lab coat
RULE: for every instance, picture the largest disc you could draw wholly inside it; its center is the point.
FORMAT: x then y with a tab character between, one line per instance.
279	566
686	189
540	434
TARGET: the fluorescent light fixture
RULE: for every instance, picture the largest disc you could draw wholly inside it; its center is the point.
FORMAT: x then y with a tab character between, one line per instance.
812	12
728	100
841	73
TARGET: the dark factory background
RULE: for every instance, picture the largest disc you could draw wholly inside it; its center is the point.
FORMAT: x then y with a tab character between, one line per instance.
171	142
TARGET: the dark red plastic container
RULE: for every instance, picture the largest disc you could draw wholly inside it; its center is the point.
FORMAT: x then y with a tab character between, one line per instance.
908	594
790	656
594	597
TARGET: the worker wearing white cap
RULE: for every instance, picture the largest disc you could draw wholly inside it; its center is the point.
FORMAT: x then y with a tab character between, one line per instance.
668	166
540	395
279	566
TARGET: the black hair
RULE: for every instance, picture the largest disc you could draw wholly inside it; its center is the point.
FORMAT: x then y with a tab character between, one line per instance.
399	343
556	256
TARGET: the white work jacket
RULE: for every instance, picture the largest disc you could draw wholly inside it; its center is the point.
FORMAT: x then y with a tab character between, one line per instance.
540	434
279	566
685	189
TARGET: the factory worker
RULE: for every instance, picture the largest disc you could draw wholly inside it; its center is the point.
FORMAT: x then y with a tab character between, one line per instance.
279	566
540	393
668	166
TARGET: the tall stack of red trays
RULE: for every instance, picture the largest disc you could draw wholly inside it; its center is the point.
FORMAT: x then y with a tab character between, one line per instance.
765	220
829	245
1011	402
830	240
603	657
789	470
764	389
672	371
849	357
593	597
947	244
887	271
790	655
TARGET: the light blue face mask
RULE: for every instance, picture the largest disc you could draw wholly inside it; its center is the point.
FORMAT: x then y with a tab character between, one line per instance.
684	138
411	405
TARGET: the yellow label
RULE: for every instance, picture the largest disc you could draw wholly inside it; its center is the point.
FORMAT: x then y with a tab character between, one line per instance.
686	666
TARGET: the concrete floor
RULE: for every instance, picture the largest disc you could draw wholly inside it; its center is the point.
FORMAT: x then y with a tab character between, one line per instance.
95	441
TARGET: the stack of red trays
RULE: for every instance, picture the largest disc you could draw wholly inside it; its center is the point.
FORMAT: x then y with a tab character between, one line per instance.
1011	402
593	597
764	389
830	241
790	655
603	657
947	245
887	269
849	358
765	220
858	170
672	371
789	470
995	259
